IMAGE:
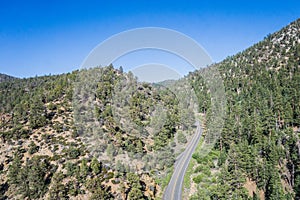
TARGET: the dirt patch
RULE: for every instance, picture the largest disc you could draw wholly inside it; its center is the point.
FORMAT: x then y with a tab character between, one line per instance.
252	189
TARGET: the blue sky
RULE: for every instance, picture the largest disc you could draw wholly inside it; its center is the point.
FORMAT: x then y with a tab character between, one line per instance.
43	37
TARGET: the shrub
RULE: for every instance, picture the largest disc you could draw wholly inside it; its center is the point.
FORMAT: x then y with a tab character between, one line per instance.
198	179
33	148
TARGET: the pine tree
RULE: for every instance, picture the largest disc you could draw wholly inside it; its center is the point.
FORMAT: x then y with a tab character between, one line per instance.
95	166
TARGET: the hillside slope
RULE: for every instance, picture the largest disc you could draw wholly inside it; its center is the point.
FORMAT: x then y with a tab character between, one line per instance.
70	136
48	140
258	154
4	78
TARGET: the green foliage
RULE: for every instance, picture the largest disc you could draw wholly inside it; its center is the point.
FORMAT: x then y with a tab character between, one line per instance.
98	191
133	180
136	187
73	152
72	169
135	194
32	179
101	194
181	138
52	106
58	190
84	169
263	104
257	140
95	166
37	117
33	148
198	179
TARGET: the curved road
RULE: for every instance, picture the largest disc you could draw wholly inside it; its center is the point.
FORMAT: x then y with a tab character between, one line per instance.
174	189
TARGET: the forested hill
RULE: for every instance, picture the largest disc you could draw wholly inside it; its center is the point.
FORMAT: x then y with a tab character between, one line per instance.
44	154
4	77
44	151
258	154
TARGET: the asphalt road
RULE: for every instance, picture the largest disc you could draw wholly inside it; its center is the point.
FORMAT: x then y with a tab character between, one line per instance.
174	189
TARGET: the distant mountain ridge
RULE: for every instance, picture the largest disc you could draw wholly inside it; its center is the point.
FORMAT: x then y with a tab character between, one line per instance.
4	78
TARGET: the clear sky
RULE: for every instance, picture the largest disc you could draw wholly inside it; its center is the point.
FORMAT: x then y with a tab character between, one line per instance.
43	37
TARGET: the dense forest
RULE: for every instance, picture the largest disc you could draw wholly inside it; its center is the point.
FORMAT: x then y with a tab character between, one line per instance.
112	137
48	141
258	153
